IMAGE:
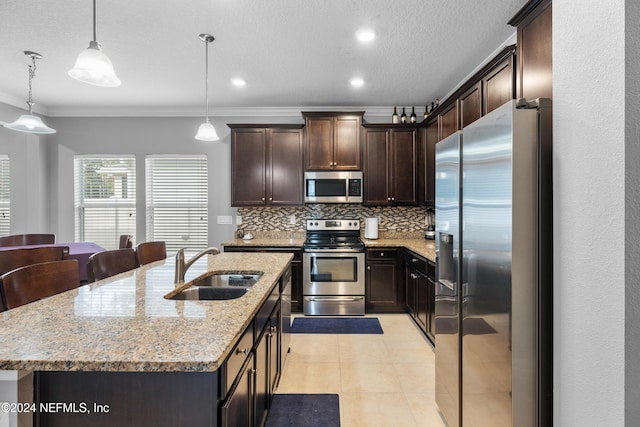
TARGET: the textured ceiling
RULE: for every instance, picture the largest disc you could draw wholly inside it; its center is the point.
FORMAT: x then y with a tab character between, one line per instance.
291	52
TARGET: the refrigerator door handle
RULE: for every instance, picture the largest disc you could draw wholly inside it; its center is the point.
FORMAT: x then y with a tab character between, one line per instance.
448	283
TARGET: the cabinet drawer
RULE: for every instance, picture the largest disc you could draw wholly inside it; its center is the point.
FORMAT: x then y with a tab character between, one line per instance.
382	254
237	357
416	261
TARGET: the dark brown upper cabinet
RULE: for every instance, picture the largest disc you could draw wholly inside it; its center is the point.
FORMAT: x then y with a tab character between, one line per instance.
535	62
448	122
390	165
266	165
471	105
499	85
333	141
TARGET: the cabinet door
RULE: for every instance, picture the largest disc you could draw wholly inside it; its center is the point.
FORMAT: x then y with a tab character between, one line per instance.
346	143
262	391
448	121
422	304
535	49
248	167
319	143
382	287
285	167
296	285
499	85
237	408
275	353
410	290
471	105
403	179
431	135
375	167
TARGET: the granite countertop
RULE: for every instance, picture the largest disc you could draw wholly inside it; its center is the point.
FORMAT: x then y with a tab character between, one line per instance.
421	246
124	323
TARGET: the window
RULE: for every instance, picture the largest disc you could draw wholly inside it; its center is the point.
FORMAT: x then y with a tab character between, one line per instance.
105	199
5	196
177	201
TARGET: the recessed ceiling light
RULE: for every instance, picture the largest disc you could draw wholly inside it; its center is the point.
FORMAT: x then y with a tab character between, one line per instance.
365	35
356	81
238	82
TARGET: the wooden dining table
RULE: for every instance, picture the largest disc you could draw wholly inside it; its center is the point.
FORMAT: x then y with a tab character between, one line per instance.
77	250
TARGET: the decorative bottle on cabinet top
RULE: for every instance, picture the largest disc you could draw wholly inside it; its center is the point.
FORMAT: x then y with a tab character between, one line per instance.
394	116
403	117
412	117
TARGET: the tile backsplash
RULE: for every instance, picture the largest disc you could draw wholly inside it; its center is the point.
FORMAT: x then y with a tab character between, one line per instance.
401	220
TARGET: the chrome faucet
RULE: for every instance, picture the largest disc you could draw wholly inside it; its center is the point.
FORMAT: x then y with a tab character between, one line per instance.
182	266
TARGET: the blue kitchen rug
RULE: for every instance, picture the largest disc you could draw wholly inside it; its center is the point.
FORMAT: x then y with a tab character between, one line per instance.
308	410
336	325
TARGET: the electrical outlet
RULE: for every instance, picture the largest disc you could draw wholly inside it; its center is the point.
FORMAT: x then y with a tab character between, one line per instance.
238	220
225	219
292	219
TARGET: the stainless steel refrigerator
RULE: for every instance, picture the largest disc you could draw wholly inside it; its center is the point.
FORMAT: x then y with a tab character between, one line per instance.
493	305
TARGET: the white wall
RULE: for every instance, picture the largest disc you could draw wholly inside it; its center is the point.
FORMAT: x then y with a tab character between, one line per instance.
141	136
589	211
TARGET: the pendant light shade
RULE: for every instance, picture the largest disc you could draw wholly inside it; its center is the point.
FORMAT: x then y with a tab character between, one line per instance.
206	131
92	65
28	122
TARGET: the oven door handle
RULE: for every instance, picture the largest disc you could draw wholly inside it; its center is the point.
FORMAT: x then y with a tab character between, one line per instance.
311	250
334	298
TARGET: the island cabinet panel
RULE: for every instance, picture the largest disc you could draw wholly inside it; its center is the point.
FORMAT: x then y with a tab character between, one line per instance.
390	165
266	165
237	410
333	140
107	399
383	295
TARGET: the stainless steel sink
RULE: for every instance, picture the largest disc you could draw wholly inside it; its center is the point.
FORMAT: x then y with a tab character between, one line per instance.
240	280
209	293
218	286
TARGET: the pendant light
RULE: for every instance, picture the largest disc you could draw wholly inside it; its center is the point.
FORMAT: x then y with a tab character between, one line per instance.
29	122
206	131
92	65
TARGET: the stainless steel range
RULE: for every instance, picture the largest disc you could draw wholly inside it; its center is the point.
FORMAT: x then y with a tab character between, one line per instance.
333	268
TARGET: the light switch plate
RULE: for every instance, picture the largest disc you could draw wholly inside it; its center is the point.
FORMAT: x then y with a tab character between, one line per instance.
225	219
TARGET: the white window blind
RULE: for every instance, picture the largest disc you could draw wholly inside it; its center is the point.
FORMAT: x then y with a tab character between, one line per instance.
177	201
105	198
5	196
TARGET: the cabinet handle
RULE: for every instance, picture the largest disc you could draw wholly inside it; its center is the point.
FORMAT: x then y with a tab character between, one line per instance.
271	199
330	164
388	199
414	259
393	199
413	276
368	267
274	329
242	350
381	254
263	199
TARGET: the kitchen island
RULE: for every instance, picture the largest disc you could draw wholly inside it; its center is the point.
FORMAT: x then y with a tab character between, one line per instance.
116	352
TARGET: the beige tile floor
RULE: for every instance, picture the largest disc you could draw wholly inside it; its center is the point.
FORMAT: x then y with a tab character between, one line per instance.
382	380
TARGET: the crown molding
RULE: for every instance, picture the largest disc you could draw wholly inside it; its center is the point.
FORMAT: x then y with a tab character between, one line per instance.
293	111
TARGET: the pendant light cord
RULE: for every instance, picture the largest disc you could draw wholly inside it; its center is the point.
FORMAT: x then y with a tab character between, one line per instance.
94	20
206	78
32	73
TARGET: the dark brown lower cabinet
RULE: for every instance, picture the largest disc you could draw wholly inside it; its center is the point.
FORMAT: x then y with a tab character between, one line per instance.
383	295
420	292
238	407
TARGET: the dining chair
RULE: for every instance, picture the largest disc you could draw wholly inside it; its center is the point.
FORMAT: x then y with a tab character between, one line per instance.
27	239
126	241
109	263
14	258
33	282
151	251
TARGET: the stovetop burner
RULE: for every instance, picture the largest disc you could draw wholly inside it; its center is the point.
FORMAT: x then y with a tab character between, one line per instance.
333	234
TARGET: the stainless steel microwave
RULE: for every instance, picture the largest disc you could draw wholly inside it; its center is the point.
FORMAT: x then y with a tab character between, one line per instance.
333	187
